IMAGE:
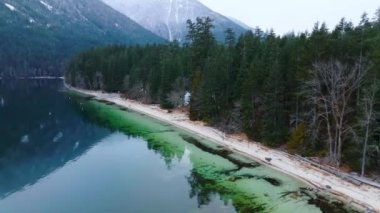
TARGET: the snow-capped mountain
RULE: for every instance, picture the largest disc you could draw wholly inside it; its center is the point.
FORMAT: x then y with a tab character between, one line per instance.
242	24
167	18
36	36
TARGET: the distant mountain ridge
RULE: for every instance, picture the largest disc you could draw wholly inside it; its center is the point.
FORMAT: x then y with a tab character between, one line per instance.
36	36
242	24
167	18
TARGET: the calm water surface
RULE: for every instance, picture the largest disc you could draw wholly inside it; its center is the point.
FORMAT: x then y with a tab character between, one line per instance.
60	152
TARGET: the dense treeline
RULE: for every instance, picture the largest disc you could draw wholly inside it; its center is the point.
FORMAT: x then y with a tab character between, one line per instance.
44	52
313	93
37	40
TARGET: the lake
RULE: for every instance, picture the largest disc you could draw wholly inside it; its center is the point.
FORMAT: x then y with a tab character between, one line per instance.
62	152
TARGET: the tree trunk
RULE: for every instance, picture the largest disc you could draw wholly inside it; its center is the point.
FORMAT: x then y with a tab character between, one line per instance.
365	148
331	157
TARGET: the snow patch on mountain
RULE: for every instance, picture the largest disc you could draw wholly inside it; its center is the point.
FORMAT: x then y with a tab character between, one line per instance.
48	6
168	21
9	6
167	18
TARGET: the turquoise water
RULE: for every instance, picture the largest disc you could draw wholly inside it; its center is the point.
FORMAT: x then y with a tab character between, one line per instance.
60	152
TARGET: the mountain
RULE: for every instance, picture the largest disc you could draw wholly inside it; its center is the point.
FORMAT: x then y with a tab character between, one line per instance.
37	36
242	24
167	18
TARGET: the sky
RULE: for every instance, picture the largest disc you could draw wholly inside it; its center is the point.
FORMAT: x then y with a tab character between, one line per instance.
284	16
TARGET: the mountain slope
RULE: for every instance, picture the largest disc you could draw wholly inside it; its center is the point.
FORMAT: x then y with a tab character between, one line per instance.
167	18
242	24
36	36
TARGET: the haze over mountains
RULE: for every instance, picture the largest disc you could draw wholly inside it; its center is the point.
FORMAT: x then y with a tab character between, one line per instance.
37	36
167	18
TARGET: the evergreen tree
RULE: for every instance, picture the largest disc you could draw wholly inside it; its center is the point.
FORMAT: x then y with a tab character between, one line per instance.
201	42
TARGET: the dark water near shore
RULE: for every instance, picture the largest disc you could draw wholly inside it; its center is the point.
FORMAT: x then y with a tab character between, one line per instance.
60	152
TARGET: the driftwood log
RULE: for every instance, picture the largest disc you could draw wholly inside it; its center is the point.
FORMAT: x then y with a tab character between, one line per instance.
356	180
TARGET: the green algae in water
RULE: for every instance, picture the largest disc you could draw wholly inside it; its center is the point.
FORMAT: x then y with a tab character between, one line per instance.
249	186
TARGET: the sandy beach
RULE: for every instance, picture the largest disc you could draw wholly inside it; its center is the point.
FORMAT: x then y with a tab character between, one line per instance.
363	195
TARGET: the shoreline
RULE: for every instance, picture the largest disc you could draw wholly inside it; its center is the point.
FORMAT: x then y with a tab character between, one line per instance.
363	196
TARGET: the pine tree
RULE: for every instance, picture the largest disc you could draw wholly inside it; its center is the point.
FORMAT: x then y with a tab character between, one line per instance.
201	42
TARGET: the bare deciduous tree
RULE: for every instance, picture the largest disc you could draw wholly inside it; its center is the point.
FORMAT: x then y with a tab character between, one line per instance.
368	104
330	90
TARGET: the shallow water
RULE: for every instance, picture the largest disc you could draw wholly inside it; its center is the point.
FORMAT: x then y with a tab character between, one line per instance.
60	152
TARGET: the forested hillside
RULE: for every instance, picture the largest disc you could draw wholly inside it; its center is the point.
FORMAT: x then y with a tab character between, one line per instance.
37	37
313	93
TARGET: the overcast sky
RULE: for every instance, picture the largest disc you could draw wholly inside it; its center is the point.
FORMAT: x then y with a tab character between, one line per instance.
288	15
